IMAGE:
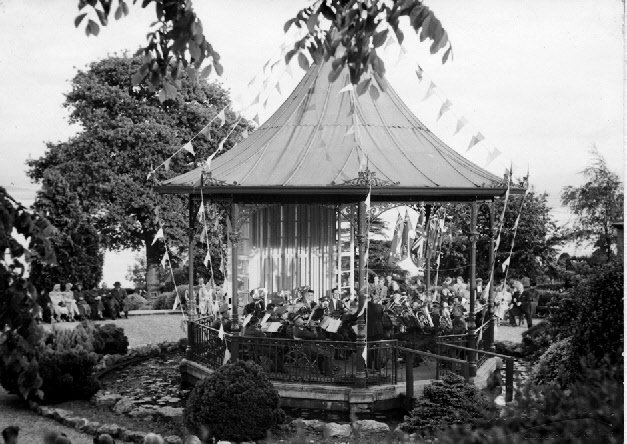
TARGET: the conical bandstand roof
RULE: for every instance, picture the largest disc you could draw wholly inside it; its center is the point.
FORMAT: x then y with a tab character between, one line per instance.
326	140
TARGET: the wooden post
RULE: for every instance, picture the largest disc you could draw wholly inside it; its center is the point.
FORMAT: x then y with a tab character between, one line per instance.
191	300
509	380
471	335
489	333
409	379
234	236
363	291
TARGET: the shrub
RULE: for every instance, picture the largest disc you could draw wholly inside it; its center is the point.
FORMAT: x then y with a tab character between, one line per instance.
554	364
445	403
536	340
135	302
164	301
68	375
81	337
236	403
589	410
110	339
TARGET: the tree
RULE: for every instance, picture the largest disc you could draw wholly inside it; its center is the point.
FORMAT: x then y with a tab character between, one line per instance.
596	205
136	273
76	242
177	45
126	132
20	336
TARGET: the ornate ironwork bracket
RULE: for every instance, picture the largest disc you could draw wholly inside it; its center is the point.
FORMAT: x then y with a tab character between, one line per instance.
367	179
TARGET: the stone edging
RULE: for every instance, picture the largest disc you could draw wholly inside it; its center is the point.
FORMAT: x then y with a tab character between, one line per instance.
107	364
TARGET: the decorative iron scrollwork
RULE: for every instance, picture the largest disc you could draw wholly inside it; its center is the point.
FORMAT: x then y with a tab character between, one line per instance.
367	179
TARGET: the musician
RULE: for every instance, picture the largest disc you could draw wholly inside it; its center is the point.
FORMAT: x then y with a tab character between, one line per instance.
253	328
223	319
256	306
302	331
335	304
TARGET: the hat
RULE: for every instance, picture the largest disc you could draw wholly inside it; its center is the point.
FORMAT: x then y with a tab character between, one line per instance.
117	284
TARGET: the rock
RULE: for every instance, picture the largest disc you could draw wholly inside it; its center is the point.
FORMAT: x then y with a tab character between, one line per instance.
106	399
335	430
91	428
74	421
123	406
142	412
61	414
47	412
170	412
371	427
309	424
174	400
173	440
133	436
110	429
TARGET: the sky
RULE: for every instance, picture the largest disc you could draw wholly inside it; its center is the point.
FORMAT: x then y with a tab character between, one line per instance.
541	80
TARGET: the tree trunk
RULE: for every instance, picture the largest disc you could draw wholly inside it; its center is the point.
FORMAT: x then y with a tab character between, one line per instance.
153	260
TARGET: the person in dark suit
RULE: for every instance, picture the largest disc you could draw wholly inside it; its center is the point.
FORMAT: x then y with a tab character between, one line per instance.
375	332
335	304
526	300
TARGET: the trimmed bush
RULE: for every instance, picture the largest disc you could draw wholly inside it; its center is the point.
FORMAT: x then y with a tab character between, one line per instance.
135	302
236	403
68	375
164	301
446	403
554	365
110	339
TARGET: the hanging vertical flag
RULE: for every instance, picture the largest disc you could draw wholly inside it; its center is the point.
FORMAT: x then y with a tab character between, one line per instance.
227	356
475	140
166	258
201	212
221	117
158	236
166	164
445	107
430	91
368	201
189	148
460	124
405	238
492	154
395	250
207	258
365	354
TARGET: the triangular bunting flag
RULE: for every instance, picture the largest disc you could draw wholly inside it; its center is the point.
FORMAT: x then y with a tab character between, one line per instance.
220	146
419	73
350	131
274	65
245	133
505	264
368	201
255	100
265	66
221	117
347	88
206	131
364	354
278	87
165	258
493	154
149	175
288	70
430	91
203	234
265	84
445	107
166	164
497	242
189	148
265	104
460	124
227	356
201	212
207	258
158	236
221	332
252	81
256	119
475	140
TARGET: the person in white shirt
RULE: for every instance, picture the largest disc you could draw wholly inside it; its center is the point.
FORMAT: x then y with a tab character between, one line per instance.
204	298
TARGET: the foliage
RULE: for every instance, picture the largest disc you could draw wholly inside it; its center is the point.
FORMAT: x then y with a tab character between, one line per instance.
76	243
596	205
534	247
68	375
136	273
135	302
177	45
126	132
110	339
165	301
598	331
80	338
553	366
20	336
590	409
236	403
446	403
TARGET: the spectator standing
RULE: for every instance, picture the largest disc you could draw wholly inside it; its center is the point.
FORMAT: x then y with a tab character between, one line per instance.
119	294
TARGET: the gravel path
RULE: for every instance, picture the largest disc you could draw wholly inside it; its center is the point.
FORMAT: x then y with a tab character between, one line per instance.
513	334
142	330
32	426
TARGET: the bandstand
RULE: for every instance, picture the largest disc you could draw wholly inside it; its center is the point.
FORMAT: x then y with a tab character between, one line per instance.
296	194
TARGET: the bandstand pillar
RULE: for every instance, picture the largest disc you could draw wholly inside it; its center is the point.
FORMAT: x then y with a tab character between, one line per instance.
489	333
362	287
234	238
191	300
471	335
